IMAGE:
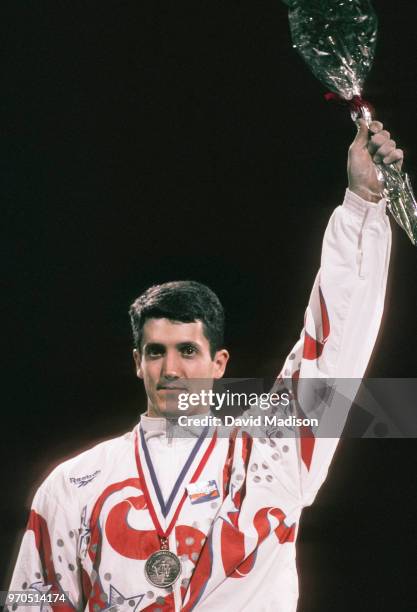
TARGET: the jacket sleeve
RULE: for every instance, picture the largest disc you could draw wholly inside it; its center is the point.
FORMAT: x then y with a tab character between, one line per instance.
47	563
342	319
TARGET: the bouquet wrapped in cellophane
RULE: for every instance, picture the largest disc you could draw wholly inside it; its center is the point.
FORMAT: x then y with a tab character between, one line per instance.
337	40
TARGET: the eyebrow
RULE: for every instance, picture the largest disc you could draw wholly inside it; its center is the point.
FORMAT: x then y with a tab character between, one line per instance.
195	345
180	345
154	345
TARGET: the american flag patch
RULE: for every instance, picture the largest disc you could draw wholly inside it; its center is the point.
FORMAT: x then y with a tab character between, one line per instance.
200	492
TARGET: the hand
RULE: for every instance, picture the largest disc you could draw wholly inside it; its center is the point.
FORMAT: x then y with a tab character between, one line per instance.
365	150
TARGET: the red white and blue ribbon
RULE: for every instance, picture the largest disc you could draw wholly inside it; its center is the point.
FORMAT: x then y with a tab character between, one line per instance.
150	483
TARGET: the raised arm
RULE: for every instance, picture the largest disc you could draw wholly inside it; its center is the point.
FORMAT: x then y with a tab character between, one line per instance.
343	315
345	307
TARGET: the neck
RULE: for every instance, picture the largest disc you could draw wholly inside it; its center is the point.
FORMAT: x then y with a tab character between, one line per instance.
156	414
153	415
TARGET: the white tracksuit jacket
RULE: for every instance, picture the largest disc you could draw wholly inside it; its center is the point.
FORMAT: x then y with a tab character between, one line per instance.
90	531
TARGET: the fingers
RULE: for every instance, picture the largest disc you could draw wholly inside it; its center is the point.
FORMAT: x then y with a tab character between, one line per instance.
381	146
386	147
379	140
375	127
394	156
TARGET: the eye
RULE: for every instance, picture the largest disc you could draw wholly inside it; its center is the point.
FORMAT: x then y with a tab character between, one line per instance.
188	350
154	350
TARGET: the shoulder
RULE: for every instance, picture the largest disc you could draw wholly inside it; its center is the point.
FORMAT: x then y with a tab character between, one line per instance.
83	476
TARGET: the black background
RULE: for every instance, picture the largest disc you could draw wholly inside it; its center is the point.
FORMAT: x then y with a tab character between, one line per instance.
168	140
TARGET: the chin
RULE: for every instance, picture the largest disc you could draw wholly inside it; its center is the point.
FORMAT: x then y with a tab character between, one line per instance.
165	410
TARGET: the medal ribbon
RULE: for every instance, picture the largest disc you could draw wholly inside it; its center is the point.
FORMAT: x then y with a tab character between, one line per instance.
161	533
165	508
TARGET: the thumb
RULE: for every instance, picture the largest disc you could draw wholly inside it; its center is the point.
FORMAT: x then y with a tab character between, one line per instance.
362	136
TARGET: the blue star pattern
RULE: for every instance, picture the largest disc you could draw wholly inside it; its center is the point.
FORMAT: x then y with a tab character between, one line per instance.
120	603
43	589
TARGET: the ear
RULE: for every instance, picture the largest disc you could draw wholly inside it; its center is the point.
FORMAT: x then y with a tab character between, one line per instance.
137	357
220	361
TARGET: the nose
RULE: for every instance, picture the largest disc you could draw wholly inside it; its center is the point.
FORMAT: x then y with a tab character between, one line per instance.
171	368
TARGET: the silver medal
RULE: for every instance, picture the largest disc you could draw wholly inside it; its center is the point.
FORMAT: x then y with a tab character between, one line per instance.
162	568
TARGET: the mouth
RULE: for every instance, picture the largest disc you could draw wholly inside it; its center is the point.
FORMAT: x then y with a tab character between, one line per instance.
170	388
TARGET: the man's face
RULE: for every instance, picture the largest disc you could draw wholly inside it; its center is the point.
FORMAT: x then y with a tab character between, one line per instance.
172	355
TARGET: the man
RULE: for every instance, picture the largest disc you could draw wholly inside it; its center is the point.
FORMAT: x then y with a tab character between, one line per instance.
150	522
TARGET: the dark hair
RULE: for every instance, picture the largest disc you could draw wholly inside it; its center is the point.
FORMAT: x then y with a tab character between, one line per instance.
184	301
